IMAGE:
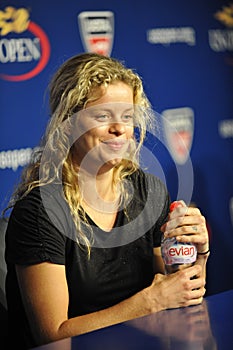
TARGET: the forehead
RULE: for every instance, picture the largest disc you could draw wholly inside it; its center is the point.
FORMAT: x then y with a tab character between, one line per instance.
117	92
113	109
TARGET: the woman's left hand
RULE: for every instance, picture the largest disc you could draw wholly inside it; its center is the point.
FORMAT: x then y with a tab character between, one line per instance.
187	224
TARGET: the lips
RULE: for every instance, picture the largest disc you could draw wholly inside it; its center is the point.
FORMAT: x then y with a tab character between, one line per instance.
115	145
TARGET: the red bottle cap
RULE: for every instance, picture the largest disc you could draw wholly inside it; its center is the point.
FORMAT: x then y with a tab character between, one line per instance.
174	205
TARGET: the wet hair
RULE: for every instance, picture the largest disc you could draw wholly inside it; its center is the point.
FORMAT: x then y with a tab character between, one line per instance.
77	82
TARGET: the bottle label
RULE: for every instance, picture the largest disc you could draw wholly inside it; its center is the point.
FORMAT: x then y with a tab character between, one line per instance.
174	252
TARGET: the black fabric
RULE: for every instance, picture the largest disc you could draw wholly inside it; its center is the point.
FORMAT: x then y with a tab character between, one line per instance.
121	262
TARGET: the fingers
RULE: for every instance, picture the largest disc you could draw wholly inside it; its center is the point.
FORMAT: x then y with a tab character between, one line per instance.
192	302
193	288
189	233
184	216
195	296
190	272
185	227
178	289
188	225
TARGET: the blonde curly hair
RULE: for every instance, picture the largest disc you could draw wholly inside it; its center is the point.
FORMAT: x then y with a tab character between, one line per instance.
71	88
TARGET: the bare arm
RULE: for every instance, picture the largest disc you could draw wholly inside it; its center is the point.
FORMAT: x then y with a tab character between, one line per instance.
45	296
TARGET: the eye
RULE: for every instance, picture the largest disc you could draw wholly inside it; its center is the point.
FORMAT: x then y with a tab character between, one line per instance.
102	117
128	118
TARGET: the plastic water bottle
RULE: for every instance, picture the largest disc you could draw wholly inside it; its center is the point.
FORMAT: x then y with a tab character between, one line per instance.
177	255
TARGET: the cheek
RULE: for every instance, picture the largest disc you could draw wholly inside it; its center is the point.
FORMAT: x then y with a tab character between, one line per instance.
86	134
130	132
83	142
91	138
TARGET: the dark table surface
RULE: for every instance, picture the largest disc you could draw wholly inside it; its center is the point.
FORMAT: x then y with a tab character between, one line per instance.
208	326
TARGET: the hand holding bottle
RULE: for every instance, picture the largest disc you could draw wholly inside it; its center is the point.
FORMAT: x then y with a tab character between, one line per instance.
185	249
177	255
185	225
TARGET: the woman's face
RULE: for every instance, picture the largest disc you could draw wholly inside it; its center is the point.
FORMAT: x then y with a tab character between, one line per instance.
105	129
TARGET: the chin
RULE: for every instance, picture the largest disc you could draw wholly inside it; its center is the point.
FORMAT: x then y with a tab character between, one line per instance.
112	163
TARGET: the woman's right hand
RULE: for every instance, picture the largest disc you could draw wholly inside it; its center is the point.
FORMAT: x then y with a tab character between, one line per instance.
177	289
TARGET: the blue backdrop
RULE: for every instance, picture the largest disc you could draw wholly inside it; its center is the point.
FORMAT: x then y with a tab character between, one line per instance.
182	49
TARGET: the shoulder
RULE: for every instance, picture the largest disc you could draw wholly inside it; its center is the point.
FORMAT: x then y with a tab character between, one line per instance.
41	207
31	225
32	202
27	206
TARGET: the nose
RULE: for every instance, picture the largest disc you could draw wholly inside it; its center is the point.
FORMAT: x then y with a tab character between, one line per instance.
117	128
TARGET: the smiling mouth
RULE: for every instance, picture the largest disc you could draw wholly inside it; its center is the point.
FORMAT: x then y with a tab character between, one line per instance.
115	145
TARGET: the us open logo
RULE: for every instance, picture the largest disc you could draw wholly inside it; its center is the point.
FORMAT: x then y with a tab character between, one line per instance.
97	31
16	47
178	129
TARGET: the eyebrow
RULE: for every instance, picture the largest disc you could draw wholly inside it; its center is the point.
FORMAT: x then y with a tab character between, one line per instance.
93	110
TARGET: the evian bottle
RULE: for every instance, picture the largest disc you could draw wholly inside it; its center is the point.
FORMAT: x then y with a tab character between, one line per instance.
177	255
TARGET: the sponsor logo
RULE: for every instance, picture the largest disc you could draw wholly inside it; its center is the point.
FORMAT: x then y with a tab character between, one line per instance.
167	36
97	31
16	47
13	159
174	252
225	128
221	40
225	15
181	250
178	129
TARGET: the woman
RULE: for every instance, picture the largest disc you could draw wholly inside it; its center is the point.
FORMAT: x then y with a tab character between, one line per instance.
83	240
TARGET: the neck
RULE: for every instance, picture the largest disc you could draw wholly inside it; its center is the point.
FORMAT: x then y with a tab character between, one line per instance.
98	190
